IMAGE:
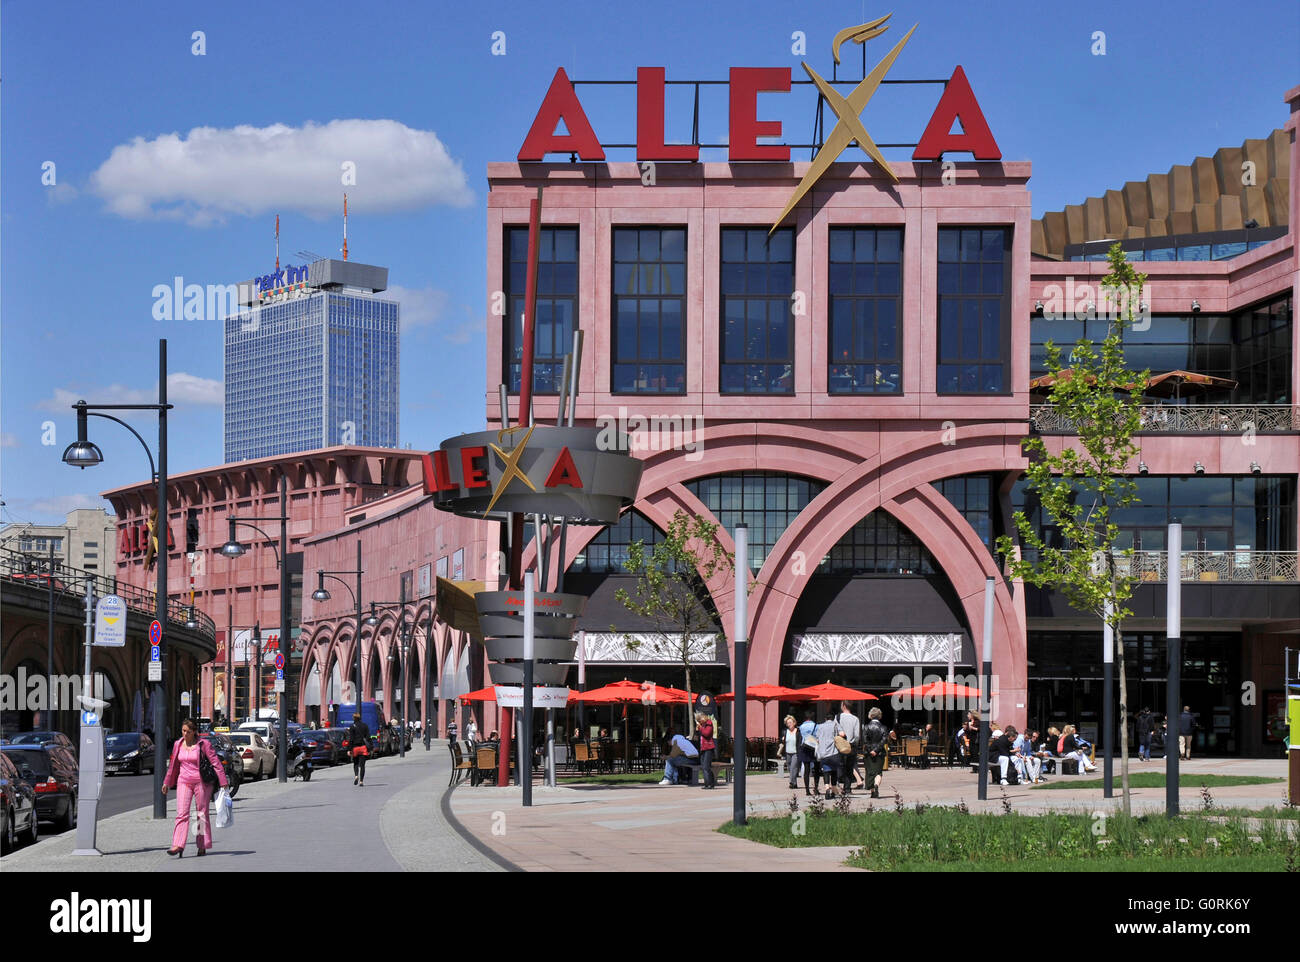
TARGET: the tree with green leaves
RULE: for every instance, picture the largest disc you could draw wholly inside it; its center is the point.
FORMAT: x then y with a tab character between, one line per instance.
1098	398
670	592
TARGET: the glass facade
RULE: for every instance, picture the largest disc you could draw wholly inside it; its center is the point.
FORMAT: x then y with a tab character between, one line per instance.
766	501
974	274
310	372
866	310
1252	347
1217	513
605	553
757	319
972	496
878	544
649	310
557	304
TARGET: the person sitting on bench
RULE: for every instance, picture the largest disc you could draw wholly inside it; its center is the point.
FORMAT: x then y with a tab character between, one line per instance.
681	753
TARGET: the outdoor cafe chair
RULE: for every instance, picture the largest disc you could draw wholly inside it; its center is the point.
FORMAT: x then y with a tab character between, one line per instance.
895	753
936	749
913	751
460	763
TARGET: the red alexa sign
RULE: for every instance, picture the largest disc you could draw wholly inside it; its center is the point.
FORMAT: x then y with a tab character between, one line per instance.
957	105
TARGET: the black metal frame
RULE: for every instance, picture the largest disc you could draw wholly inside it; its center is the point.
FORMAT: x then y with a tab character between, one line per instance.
613	308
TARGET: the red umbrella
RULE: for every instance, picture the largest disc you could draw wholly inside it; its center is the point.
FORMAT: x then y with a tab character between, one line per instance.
763	694
830	692
619	693
483	694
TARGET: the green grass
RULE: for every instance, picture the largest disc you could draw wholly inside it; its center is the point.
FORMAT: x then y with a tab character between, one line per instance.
1157	780
635	778
1270	812
951	839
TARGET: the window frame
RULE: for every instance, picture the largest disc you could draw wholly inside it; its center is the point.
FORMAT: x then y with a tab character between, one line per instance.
614	296
508	330
1004	316
791	339
900	328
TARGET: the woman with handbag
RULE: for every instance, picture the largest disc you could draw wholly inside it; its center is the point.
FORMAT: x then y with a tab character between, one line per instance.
704	725
196	772
359	740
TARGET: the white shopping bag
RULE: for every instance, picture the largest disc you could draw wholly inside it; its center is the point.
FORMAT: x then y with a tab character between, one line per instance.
225	809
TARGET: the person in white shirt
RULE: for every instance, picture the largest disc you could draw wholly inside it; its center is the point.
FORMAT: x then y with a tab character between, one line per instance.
791	746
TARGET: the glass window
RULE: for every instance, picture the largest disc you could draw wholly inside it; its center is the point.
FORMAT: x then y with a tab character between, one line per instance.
649	310
1263	353
606	553
972	495
866	346
878	544
557	304
757	325
974	333
766	501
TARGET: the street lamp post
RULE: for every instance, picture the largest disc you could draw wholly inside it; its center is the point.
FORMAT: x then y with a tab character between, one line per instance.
321	594
82	453
373	621
233	549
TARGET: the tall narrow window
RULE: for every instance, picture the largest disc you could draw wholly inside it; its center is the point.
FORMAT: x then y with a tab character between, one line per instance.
866	342
649	310
757	325
974	316
557	304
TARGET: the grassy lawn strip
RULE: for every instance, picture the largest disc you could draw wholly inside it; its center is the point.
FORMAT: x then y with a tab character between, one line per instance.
945	839
635	778
1157	780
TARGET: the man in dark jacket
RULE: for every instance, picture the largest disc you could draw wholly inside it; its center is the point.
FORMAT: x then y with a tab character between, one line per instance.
1146	724
1186	729
359	746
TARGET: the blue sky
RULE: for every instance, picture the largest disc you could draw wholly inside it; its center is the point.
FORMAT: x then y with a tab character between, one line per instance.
110	93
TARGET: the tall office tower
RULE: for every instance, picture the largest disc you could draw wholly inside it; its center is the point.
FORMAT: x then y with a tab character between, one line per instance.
312	361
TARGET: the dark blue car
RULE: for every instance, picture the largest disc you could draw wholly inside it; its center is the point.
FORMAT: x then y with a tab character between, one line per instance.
54	776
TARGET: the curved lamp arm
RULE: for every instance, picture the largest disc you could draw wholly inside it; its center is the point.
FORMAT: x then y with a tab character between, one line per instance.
249	524
153	471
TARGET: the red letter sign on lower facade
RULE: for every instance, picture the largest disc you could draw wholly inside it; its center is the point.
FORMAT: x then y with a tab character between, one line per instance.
746	128
958	101
561	103
650	120
564	471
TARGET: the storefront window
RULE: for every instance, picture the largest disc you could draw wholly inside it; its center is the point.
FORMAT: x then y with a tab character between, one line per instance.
767	502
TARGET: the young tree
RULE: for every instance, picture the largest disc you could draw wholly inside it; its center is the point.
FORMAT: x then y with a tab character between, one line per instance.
1099	399
670	593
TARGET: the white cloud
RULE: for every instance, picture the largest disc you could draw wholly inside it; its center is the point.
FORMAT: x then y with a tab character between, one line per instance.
212	173
8	440
421	306
182	388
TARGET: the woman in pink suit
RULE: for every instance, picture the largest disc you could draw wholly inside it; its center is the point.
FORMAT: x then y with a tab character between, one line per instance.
183	770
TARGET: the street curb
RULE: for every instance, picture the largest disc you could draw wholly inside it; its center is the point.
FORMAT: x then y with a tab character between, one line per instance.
479	846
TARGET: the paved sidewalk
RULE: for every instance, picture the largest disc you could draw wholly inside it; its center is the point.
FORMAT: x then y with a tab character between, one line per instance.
673	828
392	824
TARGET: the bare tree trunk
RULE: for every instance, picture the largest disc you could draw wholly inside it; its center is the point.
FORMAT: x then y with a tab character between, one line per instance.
690	699
1123	718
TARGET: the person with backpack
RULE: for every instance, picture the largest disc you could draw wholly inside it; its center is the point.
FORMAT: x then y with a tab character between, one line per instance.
828	755
359	744
196	772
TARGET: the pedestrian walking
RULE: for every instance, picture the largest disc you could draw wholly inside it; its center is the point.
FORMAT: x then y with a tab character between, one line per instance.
792	739
874	739
828	754
195	771
708	747
471	731
1186	730
808	753
451	730
359	740
1146	726
852	729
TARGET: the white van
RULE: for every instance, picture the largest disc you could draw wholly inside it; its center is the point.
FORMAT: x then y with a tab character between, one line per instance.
267	729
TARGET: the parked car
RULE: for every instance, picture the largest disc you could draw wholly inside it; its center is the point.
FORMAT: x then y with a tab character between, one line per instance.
17	806
259	760
45	738
339	737
320	746
231	759
53	773
269	731
128	752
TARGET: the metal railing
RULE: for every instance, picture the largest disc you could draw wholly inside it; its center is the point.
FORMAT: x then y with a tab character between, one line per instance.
71	583
1234	566
1186	419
